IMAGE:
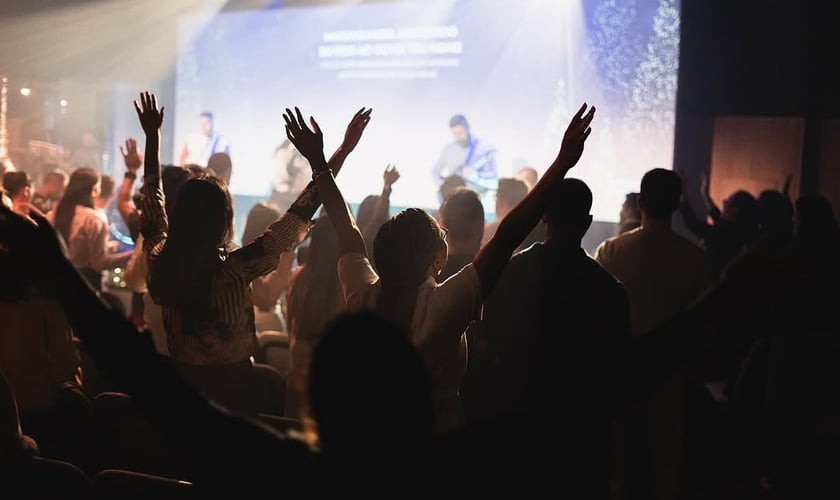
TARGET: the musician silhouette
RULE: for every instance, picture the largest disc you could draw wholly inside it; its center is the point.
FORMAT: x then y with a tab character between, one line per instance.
467	157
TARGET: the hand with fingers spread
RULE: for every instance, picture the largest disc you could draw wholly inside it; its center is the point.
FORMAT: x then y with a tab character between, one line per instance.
390	176
131	157
310	142
575	137
355	128
151	118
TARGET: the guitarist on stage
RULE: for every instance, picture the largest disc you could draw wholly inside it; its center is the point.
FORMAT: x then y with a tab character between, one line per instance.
467	157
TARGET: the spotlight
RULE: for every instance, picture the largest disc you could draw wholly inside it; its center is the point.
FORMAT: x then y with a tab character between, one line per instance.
63	103
25	91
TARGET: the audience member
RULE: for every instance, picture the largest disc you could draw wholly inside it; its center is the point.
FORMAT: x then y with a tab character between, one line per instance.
529	176
203	289
84	232
732	229
221	165
554	315
374	209
510	192
448	185
18	188
106	196
50	191
314	299
662	274
410	249
462	218
359	359
268	290
629	218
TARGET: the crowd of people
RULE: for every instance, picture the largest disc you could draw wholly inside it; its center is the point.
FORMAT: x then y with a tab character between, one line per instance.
426	352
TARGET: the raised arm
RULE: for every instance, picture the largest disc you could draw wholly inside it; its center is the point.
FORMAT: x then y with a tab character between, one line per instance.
493	256
382	206
125	198
310	142
153	223
309	200
697	226
151	119
203	435
711	208
262	255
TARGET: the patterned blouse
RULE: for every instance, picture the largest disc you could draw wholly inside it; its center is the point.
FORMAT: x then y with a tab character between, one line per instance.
225	332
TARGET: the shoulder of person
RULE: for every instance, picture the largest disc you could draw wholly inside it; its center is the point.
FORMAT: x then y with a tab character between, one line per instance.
89	215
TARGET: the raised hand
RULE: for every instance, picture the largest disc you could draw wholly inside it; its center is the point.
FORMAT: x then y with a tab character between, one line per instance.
151	118
355	128
786	186
704	184
390	176
310	143
131	157
575	136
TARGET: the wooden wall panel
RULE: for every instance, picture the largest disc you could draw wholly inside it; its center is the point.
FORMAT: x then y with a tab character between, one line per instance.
754	154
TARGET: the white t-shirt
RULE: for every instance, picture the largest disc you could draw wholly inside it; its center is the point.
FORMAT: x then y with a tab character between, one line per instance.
661	271
442	313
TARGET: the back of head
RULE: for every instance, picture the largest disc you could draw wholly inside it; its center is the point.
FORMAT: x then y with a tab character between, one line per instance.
630	207
56	177
567	209
815	220
195	169
528	175
462	214
365	213
79	192
774	211
173	178
200	225
368	387
221	165
510	193
106	189
740	208
15	182
316	293
404	248
259	218
450	184
660	193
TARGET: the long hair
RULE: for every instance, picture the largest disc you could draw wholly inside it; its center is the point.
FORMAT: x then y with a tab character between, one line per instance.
79	192
404	248
315	296
200	225
259	218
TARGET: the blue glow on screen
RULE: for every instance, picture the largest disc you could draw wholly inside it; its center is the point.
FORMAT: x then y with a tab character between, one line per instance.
516	69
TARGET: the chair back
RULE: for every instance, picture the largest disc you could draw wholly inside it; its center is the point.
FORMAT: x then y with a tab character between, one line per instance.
127	485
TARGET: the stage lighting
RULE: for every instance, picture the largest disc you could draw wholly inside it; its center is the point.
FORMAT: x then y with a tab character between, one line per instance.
25	91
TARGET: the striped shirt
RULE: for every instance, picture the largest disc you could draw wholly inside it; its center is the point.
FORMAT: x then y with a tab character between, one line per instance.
225	333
